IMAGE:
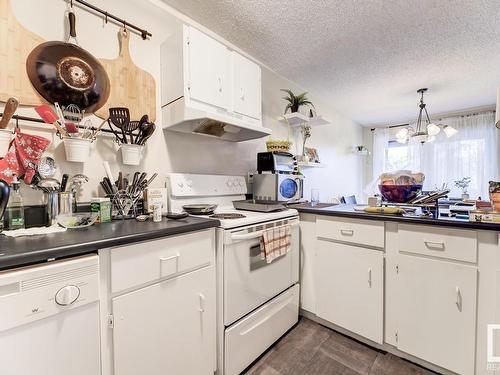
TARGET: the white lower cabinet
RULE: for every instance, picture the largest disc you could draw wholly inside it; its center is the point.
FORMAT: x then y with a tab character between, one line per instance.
436	305
350	288
167	328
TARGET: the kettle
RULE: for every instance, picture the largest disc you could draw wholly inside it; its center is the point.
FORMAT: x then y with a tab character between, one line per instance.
4	196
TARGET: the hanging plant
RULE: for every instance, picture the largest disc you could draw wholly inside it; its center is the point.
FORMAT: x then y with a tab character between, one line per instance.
296	101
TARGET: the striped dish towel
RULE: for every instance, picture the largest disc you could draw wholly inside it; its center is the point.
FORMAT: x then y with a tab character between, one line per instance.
275	242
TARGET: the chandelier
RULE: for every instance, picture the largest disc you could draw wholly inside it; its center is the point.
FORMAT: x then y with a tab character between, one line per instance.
424	130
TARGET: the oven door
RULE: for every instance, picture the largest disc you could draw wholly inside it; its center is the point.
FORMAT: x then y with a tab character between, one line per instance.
248	280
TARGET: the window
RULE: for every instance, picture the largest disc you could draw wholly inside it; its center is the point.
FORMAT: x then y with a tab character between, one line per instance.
472	152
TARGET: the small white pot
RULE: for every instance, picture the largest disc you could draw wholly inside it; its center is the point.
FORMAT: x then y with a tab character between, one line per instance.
5	138
77	149
131	154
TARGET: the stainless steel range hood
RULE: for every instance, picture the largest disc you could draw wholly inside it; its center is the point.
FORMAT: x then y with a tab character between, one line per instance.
211	121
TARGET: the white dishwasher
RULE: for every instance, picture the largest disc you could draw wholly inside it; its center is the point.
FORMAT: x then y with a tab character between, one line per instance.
49	319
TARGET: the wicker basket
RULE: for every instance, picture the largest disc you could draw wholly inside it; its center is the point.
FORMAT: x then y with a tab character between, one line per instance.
278	145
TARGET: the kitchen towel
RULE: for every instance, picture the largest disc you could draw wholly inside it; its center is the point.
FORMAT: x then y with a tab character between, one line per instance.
275	242
33	231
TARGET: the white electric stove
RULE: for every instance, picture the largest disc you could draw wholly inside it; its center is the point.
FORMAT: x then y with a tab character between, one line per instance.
257	301
221	190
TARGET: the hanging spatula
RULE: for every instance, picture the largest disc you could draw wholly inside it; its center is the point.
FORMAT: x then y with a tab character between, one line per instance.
120	117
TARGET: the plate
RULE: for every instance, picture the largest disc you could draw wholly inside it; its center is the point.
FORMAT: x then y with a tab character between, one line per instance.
77	221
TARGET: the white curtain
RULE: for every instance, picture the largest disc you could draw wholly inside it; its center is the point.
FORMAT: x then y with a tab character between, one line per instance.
471	152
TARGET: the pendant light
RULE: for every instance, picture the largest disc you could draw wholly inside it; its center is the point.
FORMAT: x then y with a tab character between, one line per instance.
424	130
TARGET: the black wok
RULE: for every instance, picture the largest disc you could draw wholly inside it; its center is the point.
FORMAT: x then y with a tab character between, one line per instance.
65	73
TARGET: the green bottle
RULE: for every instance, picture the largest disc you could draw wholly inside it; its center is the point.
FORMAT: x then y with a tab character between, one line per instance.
14	213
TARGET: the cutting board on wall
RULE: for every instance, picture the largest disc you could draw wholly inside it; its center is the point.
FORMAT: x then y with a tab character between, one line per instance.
16	43
131	86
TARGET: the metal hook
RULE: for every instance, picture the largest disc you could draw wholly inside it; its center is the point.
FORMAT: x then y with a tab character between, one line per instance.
71	3
106	17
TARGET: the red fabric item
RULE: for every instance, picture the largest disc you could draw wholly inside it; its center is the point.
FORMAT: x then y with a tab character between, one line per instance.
9	165
24	155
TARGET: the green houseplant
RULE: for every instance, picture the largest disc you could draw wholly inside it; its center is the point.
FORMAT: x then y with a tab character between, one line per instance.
296	101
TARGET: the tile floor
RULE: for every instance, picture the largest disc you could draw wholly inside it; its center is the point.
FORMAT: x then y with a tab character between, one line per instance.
312	349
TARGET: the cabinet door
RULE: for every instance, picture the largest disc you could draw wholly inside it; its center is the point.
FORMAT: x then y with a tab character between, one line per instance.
167	328
246	93
208	70
349	285
437	312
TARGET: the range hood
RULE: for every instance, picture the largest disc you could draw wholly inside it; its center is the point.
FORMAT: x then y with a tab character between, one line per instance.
210	121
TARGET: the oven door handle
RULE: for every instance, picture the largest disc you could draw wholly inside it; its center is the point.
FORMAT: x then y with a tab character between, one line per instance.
252	235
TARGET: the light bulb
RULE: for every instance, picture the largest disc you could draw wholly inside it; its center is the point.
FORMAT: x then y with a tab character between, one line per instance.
433	129
449	131
402	133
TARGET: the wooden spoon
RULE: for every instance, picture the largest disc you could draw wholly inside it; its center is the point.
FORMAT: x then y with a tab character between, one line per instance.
8	112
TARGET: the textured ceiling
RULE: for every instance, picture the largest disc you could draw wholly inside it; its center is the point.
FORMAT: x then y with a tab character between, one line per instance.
368	57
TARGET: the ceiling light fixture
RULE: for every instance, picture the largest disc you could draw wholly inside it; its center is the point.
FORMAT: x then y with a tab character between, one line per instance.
424	130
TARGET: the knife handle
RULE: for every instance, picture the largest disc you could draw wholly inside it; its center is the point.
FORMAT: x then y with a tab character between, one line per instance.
8	112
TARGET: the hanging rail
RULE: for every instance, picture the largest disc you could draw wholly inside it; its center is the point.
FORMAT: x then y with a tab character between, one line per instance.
40	121
144	33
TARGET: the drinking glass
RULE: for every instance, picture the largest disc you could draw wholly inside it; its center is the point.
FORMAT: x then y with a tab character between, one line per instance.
314	197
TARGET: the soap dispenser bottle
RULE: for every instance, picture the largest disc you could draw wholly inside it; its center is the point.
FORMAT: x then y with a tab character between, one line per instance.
14	213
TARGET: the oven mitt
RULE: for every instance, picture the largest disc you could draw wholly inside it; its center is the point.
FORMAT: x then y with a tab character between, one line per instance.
24	155
9	165
29	150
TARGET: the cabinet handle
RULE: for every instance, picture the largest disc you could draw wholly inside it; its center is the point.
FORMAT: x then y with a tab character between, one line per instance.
242	95
347	232
168	259
370	277
202	303
434	245
458	302
219	79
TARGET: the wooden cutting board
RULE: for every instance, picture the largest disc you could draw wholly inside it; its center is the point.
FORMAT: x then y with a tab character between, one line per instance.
131	86
16	43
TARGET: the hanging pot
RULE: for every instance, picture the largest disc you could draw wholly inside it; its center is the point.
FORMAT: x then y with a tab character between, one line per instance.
65	73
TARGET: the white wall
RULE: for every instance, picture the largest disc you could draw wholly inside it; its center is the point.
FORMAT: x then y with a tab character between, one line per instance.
176	152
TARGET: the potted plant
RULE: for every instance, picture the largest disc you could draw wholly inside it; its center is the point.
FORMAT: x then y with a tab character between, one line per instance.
296	101
463	184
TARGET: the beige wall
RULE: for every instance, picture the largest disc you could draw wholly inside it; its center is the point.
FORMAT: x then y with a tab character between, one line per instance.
176	152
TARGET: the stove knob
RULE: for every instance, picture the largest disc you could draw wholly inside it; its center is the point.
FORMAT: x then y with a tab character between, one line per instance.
189	183
241	183
67	295
180	184
229	183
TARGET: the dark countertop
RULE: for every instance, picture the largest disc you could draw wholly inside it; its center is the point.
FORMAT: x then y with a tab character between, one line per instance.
15	252
343	210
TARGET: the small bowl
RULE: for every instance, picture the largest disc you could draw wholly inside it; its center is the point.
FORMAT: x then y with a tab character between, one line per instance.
77	221
399	193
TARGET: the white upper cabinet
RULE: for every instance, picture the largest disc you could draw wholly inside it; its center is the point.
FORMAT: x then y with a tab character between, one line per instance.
203	79
246	92
207	73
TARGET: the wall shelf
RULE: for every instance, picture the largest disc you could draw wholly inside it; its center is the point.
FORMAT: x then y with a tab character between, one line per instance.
297	119
318	120
294	119
305	164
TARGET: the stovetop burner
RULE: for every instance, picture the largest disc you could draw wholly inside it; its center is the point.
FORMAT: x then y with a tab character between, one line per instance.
227	216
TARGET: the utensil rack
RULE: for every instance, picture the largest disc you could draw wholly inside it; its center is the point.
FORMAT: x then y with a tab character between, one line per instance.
143	32
431	207
18	118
